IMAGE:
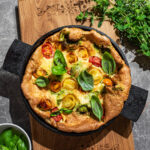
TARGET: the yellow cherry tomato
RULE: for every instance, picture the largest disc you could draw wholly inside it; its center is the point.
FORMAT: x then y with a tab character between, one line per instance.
69	84
69	101
108	82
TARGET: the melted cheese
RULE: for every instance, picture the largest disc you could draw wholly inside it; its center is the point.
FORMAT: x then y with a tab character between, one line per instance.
46	64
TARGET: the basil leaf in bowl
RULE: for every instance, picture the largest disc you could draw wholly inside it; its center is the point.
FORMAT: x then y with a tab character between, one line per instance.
108	63
96	107
85	80
42	81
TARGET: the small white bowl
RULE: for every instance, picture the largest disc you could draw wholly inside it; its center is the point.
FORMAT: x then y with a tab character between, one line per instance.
4	126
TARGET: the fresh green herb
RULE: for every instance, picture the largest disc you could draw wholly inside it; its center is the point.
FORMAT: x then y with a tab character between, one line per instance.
59	58
108	63
130	17
66	111
56	113
97	12
82	17
85	80
42	81
59	64
96	107
62	110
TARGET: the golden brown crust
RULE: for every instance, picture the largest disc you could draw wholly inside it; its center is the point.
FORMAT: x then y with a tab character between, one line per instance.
113	99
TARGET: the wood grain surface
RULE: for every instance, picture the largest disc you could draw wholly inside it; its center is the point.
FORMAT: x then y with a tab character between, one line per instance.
37	17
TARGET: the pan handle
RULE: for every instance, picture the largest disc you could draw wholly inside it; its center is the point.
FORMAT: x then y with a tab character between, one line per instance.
135	104
17	57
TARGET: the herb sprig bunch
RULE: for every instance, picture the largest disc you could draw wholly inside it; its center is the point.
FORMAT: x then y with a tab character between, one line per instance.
130	17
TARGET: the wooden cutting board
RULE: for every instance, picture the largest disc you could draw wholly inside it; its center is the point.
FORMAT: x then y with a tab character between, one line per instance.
37	17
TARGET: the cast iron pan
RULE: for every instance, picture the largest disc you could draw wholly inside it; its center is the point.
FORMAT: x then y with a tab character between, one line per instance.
19	54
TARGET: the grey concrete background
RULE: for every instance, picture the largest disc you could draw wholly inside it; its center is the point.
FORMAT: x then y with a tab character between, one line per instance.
140	70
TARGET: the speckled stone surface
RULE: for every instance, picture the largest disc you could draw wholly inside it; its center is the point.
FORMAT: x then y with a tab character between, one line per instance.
140	70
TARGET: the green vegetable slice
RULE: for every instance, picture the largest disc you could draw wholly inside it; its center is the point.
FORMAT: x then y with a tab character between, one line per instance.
12	140
83	109
85	80
96	107
21	145
42	81
59	63
108	63
62	36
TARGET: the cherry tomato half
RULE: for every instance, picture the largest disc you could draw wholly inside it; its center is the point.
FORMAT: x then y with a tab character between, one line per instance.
58	117
55	86
47	50
96	61
108	82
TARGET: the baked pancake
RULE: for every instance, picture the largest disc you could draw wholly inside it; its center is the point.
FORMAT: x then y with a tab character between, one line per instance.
76	80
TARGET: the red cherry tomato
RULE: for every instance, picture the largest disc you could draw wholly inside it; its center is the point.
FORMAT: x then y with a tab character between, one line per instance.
58	117
54	109
47	50
96	61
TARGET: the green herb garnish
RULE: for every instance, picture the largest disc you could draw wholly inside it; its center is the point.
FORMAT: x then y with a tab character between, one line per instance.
96	107
85	80
60	111
108	63
130	17
42	81
59	64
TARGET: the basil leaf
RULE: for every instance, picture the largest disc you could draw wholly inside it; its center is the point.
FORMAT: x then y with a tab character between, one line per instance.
59	58
56	113
42	81
108	63
96	107
85	80
58	70
59	63
66	111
